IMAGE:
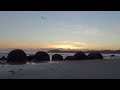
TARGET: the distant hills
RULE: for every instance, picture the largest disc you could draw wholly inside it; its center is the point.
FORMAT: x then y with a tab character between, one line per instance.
52	50
89	51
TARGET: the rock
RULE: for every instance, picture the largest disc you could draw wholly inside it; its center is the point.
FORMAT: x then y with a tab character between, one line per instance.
100	55
57	57
30	58
17	56
112	55
3	58
79	56
41	56
69	58
94	56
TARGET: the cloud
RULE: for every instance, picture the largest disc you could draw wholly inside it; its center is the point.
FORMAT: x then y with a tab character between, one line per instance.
93	31
89	31
70	44
76	28
66	26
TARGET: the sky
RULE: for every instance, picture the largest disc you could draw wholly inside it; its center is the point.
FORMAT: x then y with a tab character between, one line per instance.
60	29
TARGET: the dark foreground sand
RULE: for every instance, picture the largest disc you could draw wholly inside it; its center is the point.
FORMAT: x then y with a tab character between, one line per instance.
86	69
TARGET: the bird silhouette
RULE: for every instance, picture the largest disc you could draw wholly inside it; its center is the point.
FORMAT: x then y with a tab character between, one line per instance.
43	17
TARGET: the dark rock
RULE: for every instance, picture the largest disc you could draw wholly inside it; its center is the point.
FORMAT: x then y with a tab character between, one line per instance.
57	57
17	56
41	56
79	56
100	55
112	55
3	58
69	58
30	57
94	56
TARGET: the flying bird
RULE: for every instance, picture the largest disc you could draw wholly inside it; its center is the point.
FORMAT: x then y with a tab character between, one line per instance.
43	17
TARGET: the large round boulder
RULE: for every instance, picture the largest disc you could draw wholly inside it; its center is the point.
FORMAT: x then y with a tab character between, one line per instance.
80	56
100	55
94	56
17	56
41	56
69	58
57	57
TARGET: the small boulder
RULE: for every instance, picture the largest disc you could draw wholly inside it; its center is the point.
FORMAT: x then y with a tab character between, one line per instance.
57	57
30	58
3	58
112	55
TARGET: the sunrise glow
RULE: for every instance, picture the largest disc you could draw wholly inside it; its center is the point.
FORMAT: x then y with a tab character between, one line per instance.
60	29
66	47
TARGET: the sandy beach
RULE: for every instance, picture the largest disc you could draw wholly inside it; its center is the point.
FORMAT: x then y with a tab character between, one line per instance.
83	69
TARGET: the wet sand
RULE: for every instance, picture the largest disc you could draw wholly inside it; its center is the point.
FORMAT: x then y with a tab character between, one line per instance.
83	69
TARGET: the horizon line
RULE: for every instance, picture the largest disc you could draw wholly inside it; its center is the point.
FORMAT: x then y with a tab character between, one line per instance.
55	48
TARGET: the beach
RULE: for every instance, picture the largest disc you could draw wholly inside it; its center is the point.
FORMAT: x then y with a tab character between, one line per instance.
59	45
82	69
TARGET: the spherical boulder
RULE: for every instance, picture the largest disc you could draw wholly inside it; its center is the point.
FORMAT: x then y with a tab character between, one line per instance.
69	58
41	56
17	56
57	57
79	56
100	55
94	56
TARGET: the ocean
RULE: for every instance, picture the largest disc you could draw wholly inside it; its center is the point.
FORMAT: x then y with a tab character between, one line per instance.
105	56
